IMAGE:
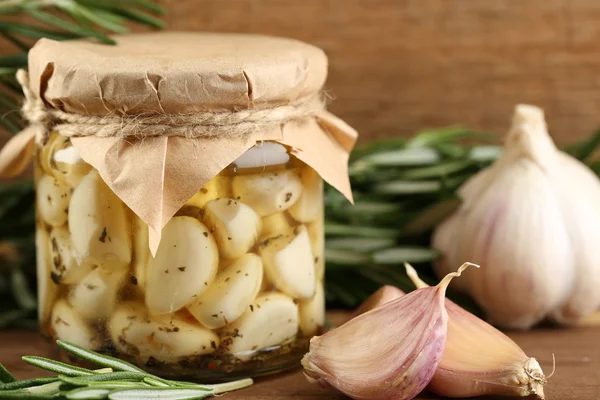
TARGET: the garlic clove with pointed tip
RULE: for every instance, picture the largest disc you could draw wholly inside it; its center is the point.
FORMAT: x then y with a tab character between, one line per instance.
480	360
396	360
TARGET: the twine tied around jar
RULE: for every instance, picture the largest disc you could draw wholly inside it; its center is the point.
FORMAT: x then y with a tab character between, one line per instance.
232	123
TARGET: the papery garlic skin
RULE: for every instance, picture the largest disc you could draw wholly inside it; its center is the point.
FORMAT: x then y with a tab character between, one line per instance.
582	220
532	221
394	361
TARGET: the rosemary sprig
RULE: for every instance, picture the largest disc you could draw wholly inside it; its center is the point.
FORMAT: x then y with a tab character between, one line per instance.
403	188
118	380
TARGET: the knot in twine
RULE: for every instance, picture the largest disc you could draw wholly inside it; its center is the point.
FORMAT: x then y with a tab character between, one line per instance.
204	124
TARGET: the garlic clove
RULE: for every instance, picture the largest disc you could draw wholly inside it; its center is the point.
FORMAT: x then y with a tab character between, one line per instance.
185	265
70	167
47	289
275	224
270	320
55	143
141	252
496	235
234	225
99	224
69	326
268	193
217	187
263	154
316	233
66	268
312	313
168	338
230	294
289	263
96	295
384	295
52	200
480	360
309	206
394	361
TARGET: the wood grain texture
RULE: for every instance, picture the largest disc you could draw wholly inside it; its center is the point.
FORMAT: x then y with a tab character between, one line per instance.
577	374
400	65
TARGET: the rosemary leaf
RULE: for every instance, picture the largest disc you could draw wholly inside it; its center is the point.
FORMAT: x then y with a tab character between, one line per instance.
99	359
360	244
5	376
20	395
105	377
400	255
88	393
27	383
68	26
56	366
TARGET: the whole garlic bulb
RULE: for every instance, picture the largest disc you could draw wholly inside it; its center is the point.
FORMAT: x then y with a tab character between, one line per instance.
532	221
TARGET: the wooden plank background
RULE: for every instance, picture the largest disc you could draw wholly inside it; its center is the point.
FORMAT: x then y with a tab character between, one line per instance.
400	65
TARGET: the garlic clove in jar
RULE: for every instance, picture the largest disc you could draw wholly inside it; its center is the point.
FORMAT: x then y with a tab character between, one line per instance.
234	225
99	223
52	200
67	325
316	233
70	167
289	263
141	252
390	352
230	294
309	206
66	268
216	188
270	320
263	154
268	193
185	265
312	313
96	295
480	360
274	224
47	289
55	143
167	338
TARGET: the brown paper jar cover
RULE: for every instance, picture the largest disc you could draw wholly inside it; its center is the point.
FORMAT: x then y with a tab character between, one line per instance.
186	73
174	72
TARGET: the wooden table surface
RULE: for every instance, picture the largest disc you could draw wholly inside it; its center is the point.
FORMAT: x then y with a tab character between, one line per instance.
577	376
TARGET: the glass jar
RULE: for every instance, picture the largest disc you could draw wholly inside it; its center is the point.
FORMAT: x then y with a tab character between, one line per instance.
179	197
236	285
